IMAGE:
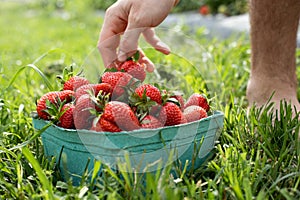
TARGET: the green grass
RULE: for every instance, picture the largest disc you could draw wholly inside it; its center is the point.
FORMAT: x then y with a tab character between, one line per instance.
255	157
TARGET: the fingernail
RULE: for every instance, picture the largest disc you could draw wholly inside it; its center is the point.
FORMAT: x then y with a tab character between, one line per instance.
122	56
149	67
163	46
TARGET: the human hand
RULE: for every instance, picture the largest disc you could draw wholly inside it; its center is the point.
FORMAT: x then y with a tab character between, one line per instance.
132	18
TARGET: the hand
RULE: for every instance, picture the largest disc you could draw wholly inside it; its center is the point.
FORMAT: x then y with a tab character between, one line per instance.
132	18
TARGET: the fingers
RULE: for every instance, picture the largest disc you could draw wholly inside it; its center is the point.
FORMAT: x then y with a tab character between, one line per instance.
153	40
109	37
129	43
107	49
146	61
114	48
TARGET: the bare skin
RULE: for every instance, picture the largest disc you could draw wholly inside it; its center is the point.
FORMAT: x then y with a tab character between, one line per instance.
274	25
132	18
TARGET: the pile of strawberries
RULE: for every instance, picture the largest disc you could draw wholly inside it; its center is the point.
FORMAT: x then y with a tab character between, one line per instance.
119	102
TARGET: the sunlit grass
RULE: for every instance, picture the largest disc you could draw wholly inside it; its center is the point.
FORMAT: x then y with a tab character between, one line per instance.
255	157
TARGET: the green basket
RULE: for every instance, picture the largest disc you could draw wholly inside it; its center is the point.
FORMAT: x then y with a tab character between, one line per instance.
143	147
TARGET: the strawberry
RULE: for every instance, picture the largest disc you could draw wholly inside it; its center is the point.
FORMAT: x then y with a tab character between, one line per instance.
173	114
184	120
75	82
112	78
83	110
194	113
121	115
143	99
133	68
158	112
54	98
70	80
198	100
108	126
176	98
151	122
119	81
94	89
66	119
180	100
150	91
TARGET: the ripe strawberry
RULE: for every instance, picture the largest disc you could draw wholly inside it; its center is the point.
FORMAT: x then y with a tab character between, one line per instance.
179	100
133	68
151	122
194	113
83	110
94	89
109	126
150	91
173	114
119	81
158	112
66	120
184	120
143	99
174	97
198	100
112	78
55	98
75	82
121	115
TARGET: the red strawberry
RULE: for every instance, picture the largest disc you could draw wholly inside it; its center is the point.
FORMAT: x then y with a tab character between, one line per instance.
119	81
197	100
120	114
180	100
112	78
108	126
75	82
151	122
66	120
83	116
150	91
53	98
158	112
184	120
173	114
194	113
94	88
135	69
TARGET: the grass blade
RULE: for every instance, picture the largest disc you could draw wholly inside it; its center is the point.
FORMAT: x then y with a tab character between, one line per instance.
47	186
35	68
39	132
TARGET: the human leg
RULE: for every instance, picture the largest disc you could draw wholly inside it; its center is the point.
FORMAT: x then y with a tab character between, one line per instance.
274	25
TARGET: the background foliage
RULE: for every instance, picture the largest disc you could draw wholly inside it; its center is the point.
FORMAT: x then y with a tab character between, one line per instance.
227	7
